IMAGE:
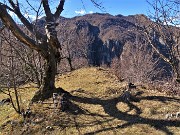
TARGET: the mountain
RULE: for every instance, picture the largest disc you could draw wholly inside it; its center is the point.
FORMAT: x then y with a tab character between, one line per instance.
97	39
103	35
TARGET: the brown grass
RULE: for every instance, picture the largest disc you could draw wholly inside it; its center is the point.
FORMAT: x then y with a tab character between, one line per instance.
97	108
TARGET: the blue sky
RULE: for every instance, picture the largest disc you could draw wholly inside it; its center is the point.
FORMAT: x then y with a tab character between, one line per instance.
80	7
114	7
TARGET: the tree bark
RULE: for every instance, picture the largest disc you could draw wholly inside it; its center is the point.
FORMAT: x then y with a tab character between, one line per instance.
46	44
70	64
176	68
48	85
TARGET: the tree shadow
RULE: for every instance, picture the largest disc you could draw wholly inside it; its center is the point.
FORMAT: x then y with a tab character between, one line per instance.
110	108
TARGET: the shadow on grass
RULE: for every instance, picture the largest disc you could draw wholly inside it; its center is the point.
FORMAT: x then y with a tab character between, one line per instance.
109	106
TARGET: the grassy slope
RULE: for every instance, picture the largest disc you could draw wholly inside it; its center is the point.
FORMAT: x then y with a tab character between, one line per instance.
96	108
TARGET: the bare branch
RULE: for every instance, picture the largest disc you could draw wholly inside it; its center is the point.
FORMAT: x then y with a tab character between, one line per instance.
32	6
59	9
7	7
28	25
98	5
10	23
3	91
157	51
47	8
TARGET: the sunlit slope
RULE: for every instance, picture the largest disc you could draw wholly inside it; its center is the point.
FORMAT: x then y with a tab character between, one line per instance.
96	107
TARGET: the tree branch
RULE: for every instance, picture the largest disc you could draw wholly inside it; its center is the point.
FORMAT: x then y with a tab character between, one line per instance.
98	5
59	9
7	7
10	23
157	51
47	9
50	26
28	25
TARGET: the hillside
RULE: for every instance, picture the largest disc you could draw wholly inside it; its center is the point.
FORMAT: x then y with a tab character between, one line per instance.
98	39
102	37
96	107
101	40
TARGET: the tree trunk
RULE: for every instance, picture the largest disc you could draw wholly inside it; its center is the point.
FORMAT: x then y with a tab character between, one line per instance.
70	64
48	85
177	71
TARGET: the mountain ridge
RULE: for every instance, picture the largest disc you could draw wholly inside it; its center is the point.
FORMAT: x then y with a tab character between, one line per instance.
99	38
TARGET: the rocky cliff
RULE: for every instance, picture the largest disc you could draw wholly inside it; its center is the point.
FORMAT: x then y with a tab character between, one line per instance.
100	38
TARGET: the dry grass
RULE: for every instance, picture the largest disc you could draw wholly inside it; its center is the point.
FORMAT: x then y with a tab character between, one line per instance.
7	113
92	80
97	108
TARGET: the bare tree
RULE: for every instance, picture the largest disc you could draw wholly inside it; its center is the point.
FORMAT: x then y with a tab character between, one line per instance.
77	44
137	63
46	44
67	41
166	31
19	65
10	84
30	63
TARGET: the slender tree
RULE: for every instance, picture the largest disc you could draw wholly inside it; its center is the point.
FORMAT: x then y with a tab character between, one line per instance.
166	14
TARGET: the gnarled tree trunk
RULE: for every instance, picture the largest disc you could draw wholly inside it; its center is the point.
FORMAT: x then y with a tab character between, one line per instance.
176	68
48	85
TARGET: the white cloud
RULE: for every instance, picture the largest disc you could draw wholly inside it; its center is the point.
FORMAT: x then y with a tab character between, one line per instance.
91	12
81	12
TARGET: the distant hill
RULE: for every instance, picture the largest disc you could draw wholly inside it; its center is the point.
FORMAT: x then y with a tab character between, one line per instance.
97	39
100	38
